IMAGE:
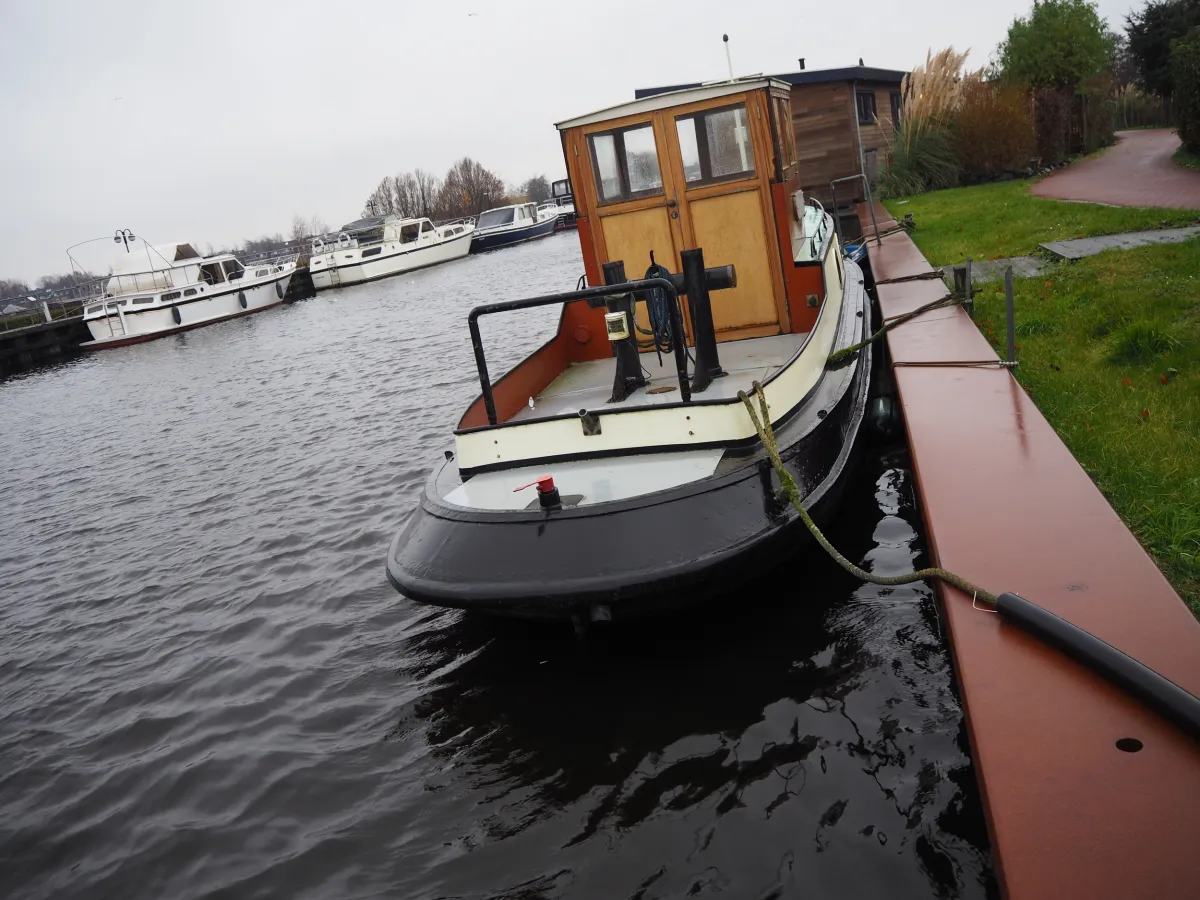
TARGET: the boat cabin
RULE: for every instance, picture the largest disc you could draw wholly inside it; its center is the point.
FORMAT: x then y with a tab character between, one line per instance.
711	169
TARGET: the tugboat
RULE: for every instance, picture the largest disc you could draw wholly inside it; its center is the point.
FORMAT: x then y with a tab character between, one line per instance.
616	472
515	224
561	196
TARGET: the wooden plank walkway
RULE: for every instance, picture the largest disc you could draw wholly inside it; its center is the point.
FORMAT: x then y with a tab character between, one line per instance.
1008	507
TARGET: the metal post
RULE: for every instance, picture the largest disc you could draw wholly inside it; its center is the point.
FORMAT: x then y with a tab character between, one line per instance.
968	292
1010	315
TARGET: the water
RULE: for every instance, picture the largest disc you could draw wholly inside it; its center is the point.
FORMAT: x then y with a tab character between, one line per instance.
208	689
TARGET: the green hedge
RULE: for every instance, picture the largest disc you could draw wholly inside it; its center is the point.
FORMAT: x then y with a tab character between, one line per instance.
1185	70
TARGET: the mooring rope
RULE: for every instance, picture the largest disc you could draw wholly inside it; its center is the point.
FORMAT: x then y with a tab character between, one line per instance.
767	434
841	356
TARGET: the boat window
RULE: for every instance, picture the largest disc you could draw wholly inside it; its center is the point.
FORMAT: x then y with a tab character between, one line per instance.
866	107
92	310
234	269
374	251
494	217
142	301
410	233
189	292
167	298
211	273
259	273
426	227
625	164
716	145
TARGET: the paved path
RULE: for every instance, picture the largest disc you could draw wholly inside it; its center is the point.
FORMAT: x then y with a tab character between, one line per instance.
984	270
1138	171
1081	247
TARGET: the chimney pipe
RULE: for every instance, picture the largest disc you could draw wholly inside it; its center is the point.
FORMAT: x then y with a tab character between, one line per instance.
802	64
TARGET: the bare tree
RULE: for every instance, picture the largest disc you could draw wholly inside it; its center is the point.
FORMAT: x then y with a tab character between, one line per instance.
407	194
428	187
469	189
318	225
300	228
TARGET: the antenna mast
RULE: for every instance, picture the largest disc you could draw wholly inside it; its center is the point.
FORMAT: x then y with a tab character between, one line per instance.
728	58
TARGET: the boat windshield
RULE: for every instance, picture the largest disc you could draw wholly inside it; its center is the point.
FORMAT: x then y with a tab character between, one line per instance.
494	217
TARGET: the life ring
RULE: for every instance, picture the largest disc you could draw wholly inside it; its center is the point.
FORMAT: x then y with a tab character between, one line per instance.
175	314
318	246
279	290
343	240
242	298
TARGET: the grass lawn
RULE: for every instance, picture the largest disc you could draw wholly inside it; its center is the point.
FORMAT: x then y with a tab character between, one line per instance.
1187	158
1110	353
995	221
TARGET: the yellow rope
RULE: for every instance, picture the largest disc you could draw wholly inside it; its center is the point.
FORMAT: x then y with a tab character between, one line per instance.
767	434
845	353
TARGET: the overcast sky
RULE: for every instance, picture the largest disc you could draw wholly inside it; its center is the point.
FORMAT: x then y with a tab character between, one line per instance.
217	121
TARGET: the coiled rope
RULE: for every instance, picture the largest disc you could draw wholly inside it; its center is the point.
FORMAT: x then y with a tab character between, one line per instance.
658	310
792	493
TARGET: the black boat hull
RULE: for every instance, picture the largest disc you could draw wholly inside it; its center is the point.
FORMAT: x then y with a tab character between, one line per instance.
646	555
481	243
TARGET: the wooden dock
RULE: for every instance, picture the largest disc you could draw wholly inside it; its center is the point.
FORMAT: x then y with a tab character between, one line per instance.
1071	812
36	345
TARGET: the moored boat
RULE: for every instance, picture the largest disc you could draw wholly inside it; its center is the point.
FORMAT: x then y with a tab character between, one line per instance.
615	471
172	288
562	197
380	246
513	224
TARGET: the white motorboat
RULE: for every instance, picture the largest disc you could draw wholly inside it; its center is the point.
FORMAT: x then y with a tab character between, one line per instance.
173	288
380	246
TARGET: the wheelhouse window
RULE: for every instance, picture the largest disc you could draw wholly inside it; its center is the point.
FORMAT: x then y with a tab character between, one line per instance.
625	164
234	269
715	145
427	227
409	233
866	107
495	217
210	273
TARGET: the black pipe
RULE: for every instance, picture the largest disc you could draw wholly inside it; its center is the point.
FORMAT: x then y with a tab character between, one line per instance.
485	383
1165	697
627	376
708	362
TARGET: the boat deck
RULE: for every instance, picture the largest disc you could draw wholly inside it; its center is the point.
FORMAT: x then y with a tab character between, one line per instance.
589	385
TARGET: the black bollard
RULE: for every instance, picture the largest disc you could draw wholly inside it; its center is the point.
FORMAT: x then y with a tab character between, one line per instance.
708	364
628	377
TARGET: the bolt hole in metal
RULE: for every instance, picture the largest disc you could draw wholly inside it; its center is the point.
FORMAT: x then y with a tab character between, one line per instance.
1129	745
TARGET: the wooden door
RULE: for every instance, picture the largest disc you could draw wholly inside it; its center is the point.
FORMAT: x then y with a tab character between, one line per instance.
690	176
721	164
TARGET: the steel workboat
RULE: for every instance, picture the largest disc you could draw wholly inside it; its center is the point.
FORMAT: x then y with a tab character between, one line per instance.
616	471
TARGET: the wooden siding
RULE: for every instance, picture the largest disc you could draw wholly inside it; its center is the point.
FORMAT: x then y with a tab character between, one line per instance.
824	118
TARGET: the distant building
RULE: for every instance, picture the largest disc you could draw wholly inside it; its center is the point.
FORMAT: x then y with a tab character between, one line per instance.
843	120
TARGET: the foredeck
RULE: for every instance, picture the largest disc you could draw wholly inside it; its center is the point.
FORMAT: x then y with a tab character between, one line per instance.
589	385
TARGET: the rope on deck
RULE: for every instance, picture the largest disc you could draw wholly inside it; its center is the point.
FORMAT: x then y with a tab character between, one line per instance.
789	489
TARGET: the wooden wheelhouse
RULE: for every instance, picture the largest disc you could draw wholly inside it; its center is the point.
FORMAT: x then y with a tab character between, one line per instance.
712	167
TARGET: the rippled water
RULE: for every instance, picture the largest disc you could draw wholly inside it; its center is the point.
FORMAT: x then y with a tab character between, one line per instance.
207	687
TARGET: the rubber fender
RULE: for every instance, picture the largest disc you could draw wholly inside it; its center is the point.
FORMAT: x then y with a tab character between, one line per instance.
1165	697
279	289
176	315
242	298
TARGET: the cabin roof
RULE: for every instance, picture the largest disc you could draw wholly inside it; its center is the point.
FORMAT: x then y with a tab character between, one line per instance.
815	76
662	98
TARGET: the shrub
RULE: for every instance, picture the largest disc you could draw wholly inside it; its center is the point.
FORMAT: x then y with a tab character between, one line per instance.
923	155
1062	43
993	129
1185	72
1142	342
1052	124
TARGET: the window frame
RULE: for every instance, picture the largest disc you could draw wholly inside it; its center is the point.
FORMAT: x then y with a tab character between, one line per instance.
897	101
860	93
704	152
618	136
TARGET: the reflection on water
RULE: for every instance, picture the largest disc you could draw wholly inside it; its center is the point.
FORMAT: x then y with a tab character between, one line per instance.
208	689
